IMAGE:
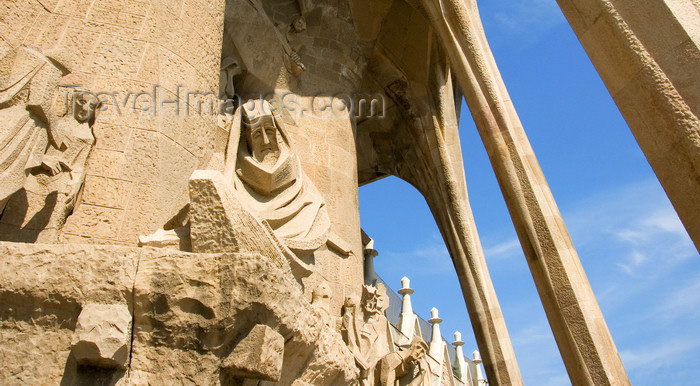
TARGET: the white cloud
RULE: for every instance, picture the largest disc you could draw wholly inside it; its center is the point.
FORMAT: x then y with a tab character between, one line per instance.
534	334
683	302
521	20
634	260
502	250
545	367
632	228
653	357
636	224
432	258
662	219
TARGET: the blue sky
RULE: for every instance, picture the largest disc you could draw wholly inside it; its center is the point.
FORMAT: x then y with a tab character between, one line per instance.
641	264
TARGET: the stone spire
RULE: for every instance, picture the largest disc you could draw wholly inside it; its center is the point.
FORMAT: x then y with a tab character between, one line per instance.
437	347
369	254
480	380
460	367
407	318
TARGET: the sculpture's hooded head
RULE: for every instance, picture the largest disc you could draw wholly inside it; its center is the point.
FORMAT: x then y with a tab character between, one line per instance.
261	133
266	161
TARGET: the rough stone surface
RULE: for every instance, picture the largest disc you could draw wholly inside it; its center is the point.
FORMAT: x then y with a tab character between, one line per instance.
43	289
189	311
220	223
258	356
273	220
102	335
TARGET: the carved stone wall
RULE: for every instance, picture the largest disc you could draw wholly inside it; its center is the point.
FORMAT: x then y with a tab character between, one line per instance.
190	313
138	171
239	313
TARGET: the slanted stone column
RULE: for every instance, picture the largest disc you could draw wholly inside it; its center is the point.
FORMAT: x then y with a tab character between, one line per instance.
583	338
648	55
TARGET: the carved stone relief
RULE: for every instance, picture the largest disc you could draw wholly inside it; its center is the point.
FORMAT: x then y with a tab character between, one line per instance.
365	330
269	180
408	365
47	138
29	80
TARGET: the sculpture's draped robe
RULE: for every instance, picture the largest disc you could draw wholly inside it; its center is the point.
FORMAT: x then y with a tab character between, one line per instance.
24	136
284	197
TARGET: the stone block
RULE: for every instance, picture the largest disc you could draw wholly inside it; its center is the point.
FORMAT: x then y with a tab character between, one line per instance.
142	158
118	57
143	208
111	137
107	192
95	221
103	336
105	163
259	355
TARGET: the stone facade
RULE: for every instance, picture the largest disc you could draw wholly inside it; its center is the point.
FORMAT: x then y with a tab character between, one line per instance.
179	185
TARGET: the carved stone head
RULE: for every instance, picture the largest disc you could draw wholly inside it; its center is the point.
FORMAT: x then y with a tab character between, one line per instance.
85	107
299	24
417	350
321	296
372	300
261	133
266	161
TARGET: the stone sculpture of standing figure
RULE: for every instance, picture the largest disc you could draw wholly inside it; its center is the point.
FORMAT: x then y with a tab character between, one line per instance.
51	189
27	86
366	330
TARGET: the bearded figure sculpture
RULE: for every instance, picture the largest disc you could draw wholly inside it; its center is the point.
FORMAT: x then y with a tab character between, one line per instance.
365	330
267	177
263	173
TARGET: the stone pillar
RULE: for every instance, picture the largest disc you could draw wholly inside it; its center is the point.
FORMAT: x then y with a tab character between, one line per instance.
461	369
423	149
648	55
583	338
440	178
436	345
407	319
479	375
369	253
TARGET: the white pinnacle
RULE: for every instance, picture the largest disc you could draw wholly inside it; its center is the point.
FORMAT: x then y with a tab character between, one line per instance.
479	375
407	317
460	367
436	343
